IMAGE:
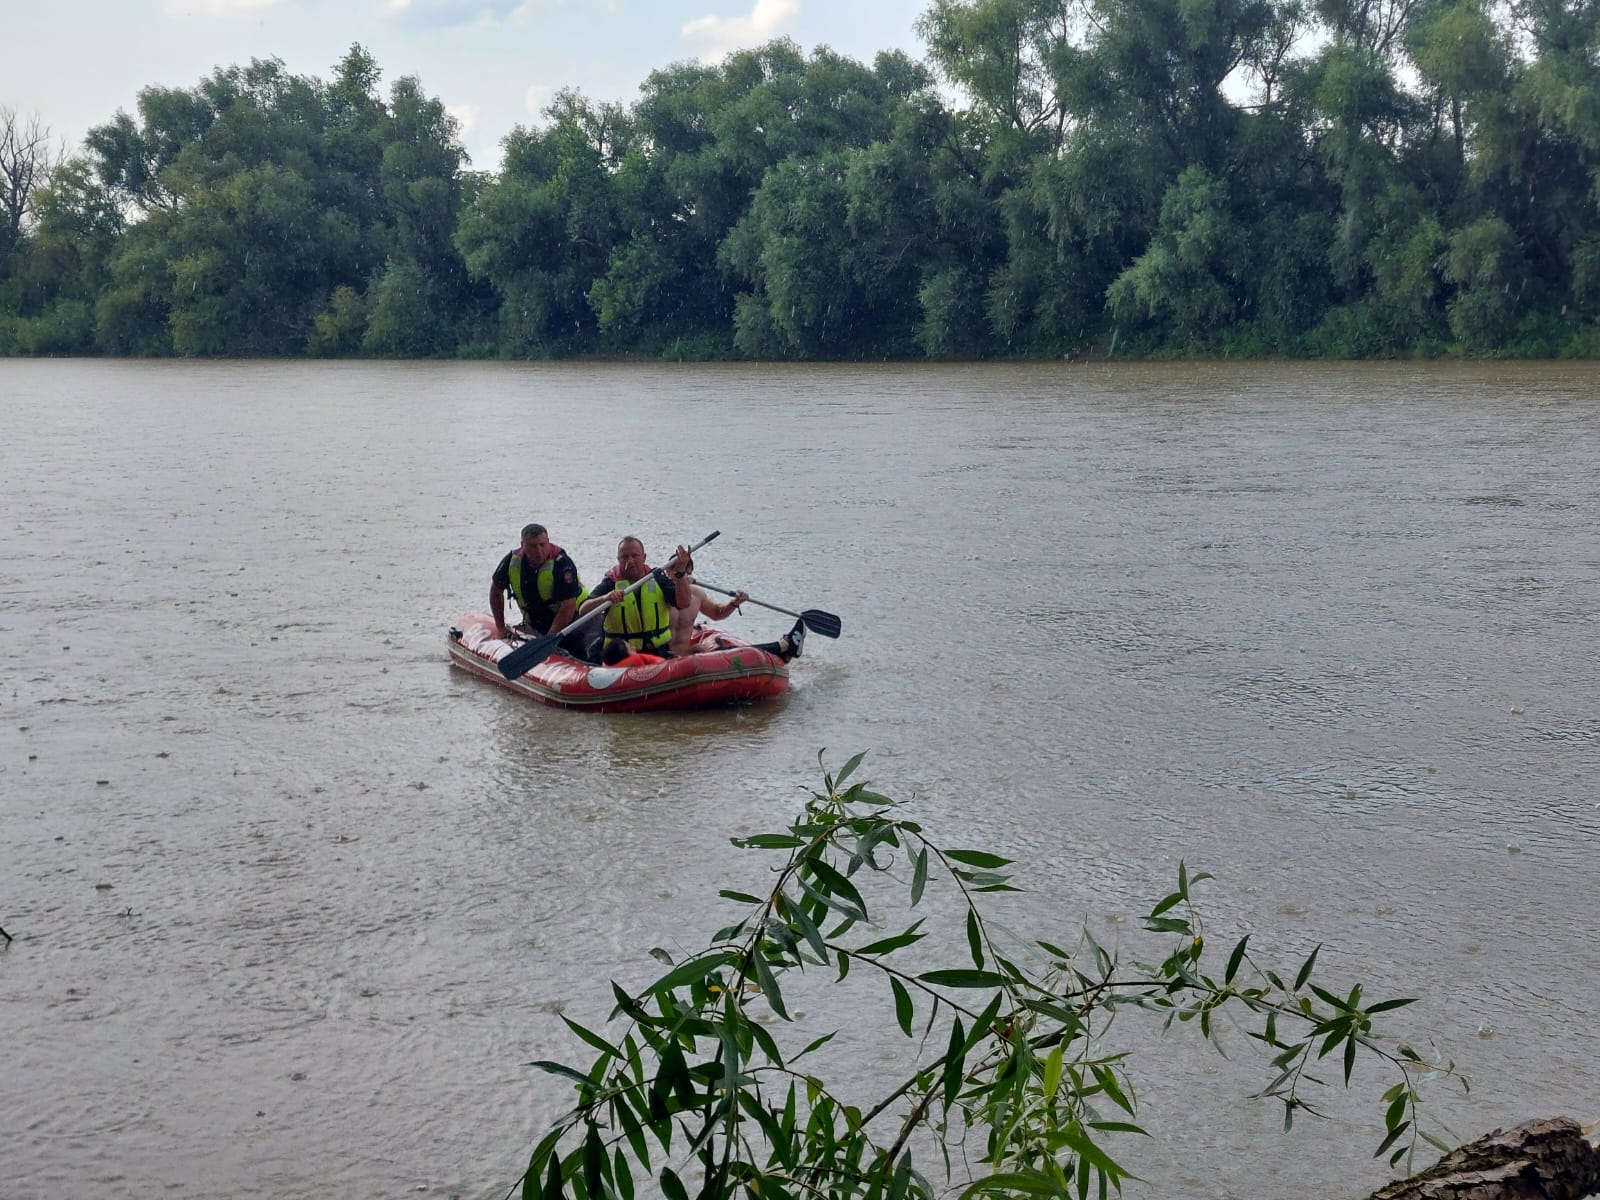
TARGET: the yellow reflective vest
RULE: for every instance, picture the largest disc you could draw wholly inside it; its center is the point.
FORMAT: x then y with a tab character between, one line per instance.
640	617
538	608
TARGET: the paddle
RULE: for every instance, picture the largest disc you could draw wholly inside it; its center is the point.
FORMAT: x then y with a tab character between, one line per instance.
530	654
815	619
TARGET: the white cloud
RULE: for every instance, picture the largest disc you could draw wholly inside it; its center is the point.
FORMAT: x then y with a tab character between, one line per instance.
441	14
536	97
718	36
466	116
187	8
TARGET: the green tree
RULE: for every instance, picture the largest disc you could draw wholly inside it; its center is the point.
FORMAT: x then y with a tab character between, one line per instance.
1465	61
542	234
1005	55
1487	265
339	329
1188	277
709	1087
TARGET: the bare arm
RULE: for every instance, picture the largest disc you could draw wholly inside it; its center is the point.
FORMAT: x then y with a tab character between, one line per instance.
564	615
720	612
497	606
674	573
599	598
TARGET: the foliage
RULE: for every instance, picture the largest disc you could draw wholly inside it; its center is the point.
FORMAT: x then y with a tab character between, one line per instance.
1327	177
1007	1059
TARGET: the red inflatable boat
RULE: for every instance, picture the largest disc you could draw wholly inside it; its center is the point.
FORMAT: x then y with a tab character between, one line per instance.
730	672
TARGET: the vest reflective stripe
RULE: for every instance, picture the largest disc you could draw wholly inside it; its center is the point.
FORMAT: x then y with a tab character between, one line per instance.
544	587
641	616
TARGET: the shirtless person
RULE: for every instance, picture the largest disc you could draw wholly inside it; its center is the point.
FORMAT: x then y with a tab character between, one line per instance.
691	603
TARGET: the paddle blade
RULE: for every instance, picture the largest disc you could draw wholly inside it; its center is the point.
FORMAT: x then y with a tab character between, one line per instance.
528	656
821	622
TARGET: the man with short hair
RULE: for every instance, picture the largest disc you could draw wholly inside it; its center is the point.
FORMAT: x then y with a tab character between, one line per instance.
640	617
542	580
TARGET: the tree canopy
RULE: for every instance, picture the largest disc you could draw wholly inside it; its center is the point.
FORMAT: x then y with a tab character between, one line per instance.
1055	178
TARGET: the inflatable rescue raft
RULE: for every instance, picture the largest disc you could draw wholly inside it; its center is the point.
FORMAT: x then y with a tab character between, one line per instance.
725	670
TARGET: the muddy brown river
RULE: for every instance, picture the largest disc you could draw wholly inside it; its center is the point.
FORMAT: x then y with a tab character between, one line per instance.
295	904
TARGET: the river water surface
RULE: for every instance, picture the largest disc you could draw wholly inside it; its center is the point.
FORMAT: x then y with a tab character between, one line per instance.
295	903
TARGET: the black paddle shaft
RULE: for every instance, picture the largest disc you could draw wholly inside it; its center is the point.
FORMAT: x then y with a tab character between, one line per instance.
814	619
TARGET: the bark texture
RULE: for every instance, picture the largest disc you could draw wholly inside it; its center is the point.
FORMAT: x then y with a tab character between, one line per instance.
1550	1159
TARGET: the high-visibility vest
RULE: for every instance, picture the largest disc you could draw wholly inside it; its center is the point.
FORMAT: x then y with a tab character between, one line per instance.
640	618
538	609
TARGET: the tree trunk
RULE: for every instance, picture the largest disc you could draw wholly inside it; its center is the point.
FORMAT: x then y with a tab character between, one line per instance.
1550	1159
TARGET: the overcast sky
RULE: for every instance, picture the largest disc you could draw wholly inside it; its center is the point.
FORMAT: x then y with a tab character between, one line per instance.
494	63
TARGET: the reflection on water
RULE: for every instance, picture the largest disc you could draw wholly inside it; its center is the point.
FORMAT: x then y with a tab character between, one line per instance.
1325	632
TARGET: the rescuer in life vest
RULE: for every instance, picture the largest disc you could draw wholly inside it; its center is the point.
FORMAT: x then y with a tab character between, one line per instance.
544	582
640	617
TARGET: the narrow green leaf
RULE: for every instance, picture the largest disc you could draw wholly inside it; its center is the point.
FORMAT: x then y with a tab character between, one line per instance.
593	1038
985	1022
1396	1113
818	1044
764	1040
1395	1132
890	944
955	1061
1119	1127
595	1166
627	1005
838	886
1088	1151
796	915
536	1160
1034	1183
978	858
552	1180
623	1176
1166	925
632	1130
692	971
768	841
903	1011
741	897
1052	1071
847	770
1235	959
1167	902
1305	971
960	978
1386	1005
671	1186
974	938
769	984
900	1182
919	875
566	1072
1335	1002
828	900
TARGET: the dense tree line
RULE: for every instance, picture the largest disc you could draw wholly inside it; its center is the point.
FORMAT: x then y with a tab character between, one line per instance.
1303	177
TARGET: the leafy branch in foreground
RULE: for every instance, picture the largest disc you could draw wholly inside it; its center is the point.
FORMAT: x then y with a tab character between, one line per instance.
1005	1065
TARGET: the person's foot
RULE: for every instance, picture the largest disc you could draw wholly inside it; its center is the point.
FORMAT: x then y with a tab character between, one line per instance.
794	641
